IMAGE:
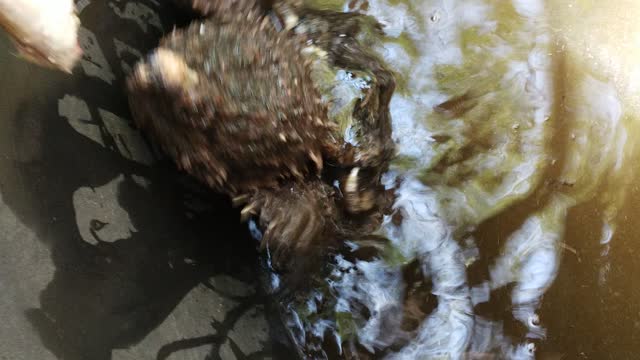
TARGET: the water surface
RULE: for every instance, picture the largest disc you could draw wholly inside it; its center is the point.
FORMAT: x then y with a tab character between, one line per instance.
516	197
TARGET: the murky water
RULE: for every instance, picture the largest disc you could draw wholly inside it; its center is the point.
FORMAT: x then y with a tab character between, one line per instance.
513	233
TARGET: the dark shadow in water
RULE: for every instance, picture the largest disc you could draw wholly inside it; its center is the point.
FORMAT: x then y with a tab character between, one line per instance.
109	295
585	317
493	234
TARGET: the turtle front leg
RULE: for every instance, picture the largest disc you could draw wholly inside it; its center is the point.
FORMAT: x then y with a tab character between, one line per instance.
297	222
372	111
337	33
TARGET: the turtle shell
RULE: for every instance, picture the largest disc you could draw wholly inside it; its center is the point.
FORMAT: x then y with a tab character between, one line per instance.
217	7
233	103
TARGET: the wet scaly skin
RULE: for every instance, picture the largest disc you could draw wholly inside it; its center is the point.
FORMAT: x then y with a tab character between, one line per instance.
232	101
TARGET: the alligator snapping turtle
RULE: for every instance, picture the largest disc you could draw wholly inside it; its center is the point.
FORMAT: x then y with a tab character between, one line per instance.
233	101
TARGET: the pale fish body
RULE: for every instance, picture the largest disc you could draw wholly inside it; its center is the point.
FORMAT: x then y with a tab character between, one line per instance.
45	31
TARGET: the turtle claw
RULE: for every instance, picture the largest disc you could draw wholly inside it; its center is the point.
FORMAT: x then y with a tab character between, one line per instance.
298	222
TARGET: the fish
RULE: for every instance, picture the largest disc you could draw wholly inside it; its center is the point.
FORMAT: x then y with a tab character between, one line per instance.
44	32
